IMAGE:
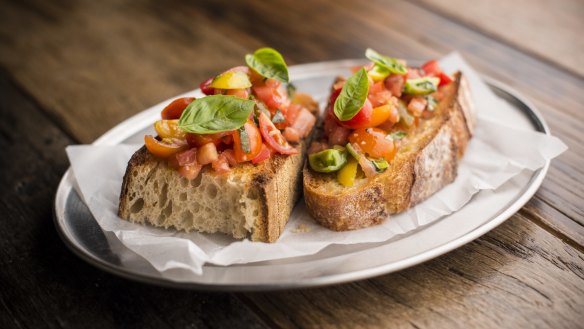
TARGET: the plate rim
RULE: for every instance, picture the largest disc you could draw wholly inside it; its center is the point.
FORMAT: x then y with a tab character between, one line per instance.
66	187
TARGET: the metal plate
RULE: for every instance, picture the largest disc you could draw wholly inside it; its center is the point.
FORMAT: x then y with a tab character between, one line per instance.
335	264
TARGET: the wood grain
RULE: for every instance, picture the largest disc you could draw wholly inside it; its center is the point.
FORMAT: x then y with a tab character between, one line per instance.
517	276
42	284
548	29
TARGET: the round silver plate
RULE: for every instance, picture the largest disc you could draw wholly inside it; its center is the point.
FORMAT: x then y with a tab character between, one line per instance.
335	264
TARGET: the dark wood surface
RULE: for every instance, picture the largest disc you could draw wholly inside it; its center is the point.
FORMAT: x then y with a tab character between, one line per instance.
71	70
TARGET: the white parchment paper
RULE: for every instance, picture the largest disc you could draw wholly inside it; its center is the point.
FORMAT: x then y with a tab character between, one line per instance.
497	153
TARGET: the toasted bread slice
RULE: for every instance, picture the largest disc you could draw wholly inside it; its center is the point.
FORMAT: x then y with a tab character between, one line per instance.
249	201
426	162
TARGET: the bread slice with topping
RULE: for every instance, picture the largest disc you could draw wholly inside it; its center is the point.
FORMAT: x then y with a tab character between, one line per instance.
252	201
426	161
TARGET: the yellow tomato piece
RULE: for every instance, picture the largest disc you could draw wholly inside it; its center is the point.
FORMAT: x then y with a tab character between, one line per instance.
169	129
231	80
346	176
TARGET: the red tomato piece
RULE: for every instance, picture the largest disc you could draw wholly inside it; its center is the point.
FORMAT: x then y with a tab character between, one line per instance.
304	122
273	137
395	84
431	68
417	105
291	134
187	157
221	164
361	120
206	87
444	79
174	110
269	94
339	135
264	154
254	140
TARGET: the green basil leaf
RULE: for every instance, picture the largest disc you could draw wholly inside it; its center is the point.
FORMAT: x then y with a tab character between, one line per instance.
216	113
244	140
352	96
389	63
268	63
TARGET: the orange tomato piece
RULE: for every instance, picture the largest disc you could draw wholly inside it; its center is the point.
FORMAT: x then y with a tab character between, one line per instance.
373	142
162	149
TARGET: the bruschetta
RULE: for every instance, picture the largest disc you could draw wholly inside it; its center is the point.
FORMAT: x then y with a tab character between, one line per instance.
229	162
392	137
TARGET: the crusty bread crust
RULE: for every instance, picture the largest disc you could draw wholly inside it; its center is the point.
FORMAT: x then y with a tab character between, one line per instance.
426	162
252	201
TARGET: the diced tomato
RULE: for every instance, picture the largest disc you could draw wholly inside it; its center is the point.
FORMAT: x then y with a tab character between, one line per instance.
395	84
376	87
304	122
206	87
207	153
273	137
413	73
417	105
292	113
162	149
291	135
254	139
174	110
431	68
373	142
230	156
191	171
391	120
361	120
269	93
381	98
221	164
264	154
339	135
196	140
187	157
444	79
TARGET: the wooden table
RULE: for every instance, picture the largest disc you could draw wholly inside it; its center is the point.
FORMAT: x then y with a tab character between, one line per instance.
71	70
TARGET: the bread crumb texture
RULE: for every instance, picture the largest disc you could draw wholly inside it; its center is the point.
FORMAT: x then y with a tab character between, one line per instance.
154	193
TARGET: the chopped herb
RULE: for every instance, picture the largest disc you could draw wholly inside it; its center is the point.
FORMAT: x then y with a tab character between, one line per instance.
278	117
432	103
244	140
395	135
380	165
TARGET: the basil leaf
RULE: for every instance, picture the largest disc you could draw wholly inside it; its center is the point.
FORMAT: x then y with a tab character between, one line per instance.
352	96
268	63
389	63
215	113
278	117
244	140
